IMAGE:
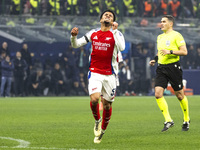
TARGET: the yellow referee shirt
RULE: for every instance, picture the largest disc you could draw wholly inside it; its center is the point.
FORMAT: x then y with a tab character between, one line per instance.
170	41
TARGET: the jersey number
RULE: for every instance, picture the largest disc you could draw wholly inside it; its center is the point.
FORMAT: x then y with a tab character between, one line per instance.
113	92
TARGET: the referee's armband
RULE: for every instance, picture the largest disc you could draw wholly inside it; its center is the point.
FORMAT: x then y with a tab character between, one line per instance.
156	58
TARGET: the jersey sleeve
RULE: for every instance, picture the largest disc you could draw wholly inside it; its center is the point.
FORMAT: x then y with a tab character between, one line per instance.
119	39
180	40
120	57
76	43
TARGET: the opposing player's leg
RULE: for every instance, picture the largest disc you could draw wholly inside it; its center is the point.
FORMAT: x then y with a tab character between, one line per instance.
184	106
162	104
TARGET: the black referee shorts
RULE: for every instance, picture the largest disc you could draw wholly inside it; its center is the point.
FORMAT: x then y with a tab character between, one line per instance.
171	73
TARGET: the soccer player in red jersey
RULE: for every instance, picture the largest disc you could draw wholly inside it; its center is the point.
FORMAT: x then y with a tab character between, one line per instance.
103	68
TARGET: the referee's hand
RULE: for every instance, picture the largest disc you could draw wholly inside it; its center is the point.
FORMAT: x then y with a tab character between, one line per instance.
152	62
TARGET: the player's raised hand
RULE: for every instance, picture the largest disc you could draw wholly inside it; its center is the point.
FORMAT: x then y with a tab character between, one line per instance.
74	31
114	25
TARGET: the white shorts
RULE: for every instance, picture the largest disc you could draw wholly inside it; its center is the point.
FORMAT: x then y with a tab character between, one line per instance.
104	84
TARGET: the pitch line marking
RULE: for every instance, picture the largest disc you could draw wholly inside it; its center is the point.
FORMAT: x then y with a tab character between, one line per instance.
25	144
22	143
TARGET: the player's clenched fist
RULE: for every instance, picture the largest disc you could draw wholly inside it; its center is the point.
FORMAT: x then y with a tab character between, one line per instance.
74	31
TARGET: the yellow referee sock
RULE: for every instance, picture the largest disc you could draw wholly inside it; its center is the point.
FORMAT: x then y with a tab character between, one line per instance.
162	104
184	106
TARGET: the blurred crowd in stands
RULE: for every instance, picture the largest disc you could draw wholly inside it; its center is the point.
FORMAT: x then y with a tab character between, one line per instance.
142	8
23	74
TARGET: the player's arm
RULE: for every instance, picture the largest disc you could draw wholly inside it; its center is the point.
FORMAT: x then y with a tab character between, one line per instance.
76	43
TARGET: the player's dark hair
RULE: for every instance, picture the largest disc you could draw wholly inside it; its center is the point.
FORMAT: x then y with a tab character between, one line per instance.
114	17
170	18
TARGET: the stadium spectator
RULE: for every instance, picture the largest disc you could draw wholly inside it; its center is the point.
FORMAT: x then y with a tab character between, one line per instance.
2	57
195	8
82	60
38	83
189	61
162	8
57	80
103	68
83	84
151	91
188	9
20	68
15	7
174	8
197	59
35	7
72	7
126	82
129	7
7	68
53	7
26	55
83	7
68	63
111	4
170	46
149	8
5	48
141	82
48	65
95	6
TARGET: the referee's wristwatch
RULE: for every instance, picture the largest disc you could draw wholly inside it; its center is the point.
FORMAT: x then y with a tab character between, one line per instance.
171	51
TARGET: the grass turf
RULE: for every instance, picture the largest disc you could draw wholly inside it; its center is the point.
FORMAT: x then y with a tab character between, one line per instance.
66	123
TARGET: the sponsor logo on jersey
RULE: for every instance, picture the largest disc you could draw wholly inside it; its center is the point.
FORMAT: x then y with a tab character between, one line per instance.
101	46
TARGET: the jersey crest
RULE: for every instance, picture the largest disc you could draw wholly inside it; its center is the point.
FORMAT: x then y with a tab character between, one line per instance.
168	43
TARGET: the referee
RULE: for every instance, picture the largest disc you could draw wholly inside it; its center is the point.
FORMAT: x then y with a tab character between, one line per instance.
170	45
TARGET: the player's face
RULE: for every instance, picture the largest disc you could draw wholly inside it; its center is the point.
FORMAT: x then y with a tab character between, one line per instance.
165	24
114	25
107	17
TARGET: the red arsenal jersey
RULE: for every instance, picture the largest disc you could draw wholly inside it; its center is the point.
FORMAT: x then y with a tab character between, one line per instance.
102	52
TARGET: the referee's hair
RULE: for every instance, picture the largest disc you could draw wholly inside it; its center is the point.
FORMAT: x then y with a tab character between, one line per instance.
114	17
170	18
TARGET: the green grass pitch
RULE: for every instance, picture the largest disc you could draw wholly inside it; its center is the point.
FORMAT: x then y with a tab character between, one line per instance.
66	123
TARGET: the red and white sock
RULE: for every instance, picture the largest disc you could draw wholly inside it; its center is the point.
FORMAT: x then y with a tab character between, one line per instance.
106	118
95	110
